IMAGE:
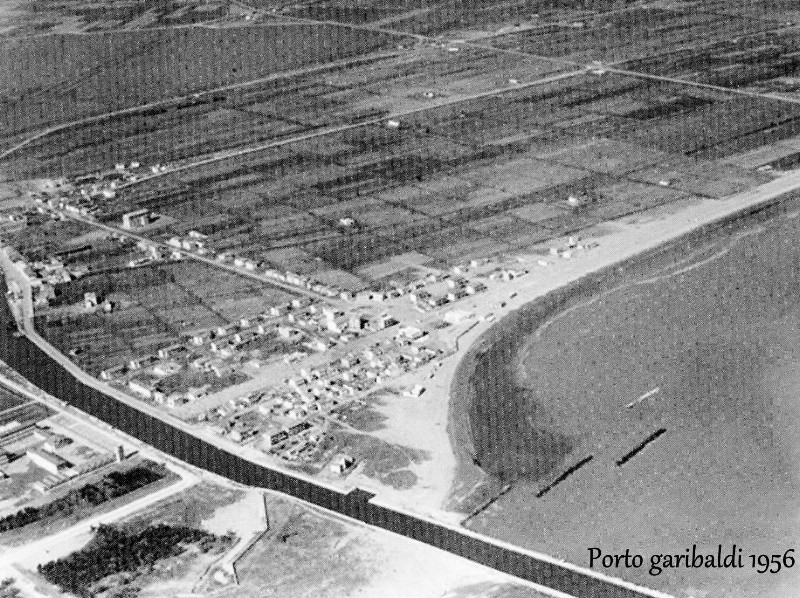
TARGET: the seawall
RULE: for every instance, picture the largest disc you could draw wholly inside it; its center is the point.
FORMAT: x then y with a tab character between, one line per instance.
554	577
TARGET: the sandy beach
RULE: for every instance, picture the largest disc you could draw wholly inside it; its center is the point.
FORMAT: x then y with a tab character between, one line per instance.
607	367
618	241
450	485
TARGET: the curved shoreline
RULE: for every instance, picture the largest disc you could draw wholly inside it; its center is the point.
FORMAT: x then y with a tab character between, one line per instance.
490	361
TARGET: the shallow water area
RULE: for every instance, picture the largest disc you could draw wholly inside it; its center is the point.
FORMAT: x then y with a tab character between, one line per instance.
706	348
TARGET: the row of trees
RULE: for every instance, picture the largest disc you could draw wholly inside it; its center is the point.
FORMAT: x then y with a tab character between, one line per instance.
116	550
110	486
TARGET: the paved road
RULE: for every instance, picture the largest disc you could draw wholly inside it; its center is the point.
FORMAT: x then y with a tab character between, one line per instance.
580	69
206	260
288	74
177	100
185	444
706	86
556	578
73	538
109	391
474	44
224	155
199	25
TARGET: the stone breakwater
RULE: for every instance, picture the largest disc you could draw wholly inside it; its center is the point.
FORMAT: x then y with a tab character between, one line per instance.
492	425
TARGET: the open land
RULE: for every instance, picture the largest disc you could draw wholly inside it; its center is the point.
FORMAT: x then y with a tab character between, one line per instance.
310	553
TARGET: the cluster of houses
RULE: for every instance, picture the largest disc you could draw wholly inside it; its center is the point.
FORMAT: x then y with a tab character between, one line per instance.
426	293
301	324
150	253
252	419
85	195
196	242
40	276
55	454
506	274
573	245
193	241
305	282
14	220
299	405
322	389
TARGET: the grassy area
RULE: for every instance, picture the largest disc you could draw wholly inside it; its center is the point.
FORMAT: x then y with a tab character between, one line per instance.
303	552
8	589
115	558
386	462
190	507
9	399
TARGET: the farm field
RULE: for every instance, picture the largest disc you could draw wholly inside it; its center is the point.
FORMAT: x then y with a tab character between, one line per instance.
467	179
339	94
9	400
23	19
154	306
58	79
369	73
302	146
639	32
477	144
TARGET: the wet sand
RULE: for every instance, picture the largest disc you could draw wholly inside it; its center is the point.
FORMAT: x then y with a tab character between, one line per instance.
716	328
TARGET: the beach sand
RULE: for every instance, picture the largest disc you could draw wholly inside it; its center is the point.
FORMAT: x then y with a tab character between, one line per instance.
438	421
719	337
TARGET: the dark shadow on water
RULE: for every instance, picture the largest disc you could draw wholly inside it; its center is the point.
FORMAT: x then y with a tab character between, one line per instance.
507	444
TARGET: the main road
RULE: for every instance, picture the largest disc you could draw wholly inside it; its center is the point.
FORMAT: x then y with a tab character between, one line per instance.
399	114
73	538
202	259
199	95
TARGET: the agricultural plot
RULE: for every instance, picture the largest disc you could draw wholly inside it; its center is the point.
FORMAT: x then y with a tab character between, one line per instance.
15	409
42	17
270	111
152	307
464	175
635	33
55	79
714	180
9	400
459	173
43	238
369	161
760	62
419	16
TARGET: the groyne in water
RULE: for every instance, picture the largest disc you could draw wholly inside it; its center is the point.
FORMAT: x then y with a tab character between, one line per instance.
36	366
493	425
